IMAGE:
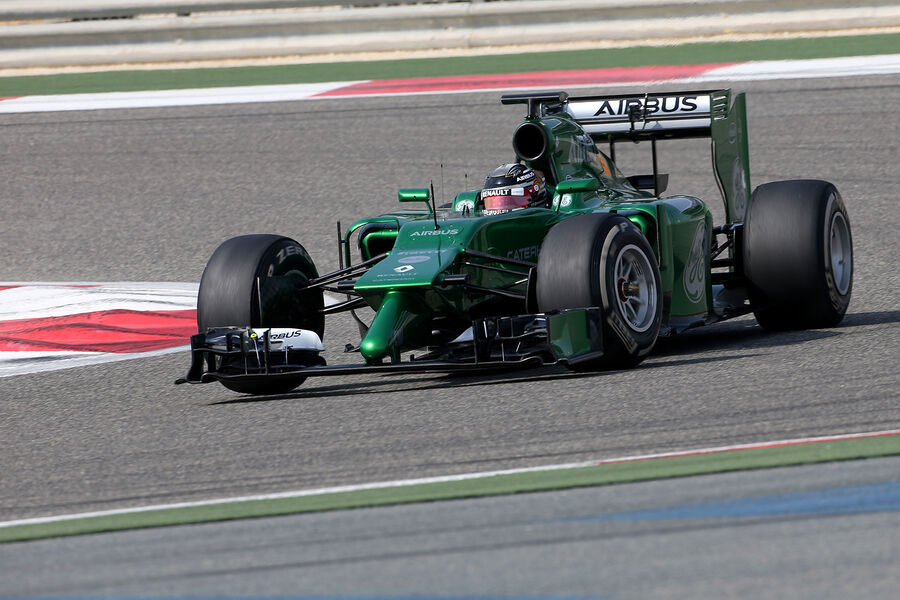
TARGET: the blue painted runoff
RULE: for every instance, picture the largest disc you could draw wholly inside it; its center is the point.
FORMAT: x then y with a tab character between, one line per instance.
879	497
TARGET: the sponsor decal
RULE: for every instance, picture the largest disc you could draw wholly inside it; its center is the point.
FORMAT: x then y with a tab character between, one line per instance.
286	335
622	331
288	251
283	255
695	269
503	192
434	232
644	108
403	268
283	339
465	206
648	106
738	188
417	258
566	200
526	253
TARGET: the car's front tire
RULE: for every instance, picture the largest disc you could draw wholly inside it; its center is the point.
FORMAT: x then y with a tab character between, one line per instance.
230	295
604	260
798	255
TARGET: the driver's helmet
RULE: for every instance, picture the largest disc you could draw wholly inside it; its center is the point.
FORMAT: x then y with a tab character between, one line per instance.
513	186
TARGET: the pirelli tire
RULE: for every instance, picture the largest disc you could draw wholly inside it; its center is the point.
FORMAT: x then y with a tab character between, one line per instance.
229	294
603	260
798	255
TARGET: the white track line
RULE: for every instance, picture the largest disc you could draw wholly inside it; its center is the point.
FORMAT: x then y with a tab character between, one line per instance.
168	98
882	64
442	479
29	363
43	300
885	64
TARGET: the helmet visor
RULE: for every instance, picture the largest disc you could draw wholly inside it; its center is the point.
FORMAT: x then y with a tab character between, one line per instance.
506	198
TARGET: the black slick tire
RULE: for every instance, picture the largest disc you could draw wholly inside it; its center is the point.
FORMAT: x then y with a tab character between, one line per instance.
603	260
229	294
798	255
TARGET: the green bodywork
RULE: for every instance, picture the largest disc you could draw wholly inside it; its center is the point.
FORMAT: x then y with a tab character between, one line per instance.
429	250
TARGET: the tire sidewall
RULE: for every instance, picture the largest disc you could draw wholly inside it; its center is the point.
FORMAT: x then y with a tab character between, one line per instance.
576	269
608	248
838	301
287	257
228	297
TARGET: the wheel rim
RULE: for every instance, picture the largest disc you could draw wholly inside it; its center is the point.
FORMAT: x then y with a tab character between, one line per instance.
635	288
841	253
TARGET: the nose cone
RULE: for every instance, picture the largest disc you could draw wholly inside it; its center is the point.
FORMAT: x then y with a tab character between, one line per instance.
400	324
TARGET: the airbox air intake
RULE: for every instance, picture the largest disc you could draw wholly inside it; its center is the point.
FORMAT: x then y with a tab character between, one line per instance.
530	141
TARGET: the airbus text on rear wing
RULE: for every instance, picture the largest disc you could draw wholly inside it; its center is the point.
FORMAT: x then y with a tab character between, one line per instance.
648	116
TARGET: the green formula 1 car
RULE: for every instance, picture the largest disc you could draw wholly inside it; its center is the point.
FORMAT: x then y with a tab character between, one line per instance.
559	258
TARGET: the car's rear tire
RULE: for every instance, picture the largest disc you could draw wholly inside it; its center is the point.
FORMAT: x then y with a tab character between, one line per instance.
229	294
798	255
603	260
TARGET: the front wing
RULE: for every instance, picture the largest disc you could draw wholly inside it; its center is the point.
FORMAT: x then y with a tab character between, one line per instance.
495	343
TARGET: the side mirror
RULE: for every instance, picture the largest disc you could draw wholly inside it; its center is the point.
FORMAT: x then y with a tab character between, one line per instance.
413	195
577	185
648	182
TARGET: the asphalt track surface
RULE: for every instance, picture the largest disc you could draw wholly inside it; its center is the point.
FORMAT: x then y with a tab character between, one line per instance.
790	533
147	195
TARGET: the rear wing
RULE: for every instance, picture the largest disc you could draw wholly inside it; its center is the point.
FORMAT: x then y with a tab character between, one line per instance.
665	115
648	117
